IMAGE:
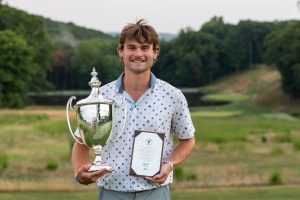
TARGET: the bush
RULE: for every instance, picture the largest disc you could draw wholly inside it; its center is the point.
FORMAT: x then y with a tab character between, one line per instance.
191	176
179	174
52	165
296	145
3	162
275	178
277	150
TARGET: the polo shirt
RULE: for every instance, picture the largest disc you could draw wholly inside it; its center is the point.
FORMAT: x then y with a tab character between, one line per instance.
162	108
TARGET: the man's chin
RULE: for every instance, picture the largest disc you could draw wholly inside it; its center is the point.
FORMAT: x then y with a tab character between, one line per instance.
139	70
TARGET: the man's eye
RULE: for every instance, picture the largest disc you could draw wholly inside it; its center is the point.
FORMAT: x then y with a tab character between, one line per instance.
131	48
145	48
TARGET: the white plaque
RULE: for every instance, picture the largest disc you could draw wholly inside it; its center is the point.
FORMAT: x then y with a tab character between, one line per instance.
146	153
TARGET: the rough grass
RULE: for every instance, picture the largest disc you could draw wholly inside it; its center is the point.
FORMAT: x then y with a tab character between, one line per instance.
232	149
242	193
261	83
240	144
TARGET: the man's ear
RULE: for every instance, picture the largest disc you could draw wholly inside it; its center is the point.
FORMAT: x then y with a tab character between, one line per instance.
119	51
156	53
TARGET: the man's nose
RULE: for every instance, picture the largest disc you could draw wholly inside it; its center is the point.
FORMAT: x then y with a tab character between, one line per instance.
138	51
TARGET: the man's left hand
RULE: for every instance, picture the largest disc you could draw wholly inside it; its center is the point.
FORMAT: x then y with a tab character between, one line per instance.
162	176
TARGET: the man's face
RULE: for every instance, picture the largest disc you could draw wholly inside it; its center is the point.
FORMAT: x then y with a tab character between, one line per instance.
137	57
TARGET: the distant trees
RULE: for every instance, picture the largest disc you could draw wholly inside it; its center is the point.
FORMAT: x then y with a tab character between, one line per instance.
37	54
283	50
101	54
25	55
17	69
196	58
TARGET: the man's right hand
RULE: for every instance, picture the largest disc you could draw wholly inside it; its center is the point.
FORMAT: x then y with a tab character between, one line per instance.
85	177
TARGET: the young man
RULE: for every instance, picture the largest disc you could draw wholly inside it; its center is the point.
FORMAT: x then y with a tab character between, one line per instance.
151	105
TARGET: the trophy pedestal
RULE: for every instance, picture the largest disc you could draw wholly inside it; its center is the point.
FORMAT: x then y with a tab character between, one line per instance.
100	167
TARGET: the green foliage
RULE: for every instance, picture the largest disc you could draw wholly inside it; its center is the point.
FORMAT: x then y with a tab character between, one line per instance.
277	150
275	178
296	145
17	62
25	55
180	174
70	34
283	47
3	162
285	137
100	54
52	165
197	58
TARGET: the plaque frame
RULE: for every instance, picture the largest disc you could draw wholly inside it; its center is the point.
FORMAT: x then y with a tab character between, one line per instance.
135	154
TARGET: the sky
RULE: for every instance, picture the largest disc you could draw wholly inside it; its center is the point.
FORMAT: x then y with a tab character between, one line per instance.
168	16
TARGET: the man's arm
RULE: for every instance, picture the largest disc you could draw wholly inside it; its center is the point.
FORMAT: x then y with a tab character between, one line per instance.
81	165
80	156
181	151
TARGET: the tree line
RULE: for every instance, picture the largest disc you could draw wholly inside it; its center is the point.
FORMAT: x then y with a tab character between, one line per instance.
34	57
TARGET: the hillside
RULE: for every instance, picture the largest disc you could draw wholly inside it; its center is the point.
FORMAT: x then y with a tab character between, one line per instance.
70	33
263	83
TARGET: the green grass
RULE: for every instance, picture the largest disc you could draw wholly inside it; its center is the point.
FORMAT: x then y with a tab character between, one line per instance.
244	193
265	193
216	113
232	142
48	195
9	119
231	97
239	128
53	127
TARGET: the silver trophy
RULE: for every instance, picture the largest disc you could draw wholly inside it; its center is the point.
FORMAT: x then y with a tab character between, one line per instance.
94	117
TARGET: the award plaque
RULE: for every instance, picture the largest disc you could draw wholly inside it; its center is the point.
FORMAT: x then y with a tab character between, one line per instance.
146	153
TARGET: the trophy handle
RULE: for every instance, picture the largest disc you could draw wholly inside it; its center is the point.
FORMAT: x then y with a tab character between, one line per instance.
69	105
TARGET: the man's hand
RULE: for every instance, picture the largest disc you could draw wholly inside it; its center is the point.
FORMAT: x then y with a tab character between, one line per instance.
162	176
86	177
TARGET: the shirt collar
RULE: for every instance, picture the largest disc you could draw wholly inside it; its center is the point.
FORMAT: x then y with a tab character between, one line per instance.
120	87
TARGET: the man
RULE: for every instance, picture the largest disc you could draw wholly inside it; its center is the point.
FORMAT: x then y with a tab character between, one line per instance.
151	105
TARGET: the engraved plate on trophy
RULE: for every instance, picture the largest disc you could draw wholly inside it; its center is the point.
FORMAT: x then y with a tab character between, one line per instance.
146	153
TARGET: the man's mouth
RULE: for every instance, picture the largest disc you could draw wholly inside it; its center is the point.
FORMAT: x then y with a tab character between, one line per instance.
137	61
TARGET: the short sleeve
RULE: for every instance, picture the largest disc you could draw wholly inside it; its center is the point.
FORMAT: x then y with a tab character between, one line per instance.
182	124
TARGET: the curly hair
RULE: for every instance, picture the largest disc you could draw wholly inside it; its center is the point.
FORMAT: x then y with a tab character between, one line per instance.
141	32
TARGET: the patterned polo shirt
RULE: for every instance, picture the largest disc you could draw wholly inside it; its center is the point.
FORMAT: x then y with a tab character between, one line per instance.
162	108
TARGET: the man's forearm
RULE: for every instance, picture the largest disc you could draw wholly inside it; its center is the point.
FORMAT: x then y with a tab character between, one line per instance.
80	156
181	151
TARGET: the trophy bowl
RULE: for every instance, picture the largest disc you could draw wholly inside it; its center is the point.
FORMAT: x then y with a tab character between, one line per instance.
94	121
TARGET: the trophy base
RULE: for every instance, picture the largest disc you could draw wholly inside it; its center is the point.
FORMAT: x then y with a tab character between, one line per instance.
100	167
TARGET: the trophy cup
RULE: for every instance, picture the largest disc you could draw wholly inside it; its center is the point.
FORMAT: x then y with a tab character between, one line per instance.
94	121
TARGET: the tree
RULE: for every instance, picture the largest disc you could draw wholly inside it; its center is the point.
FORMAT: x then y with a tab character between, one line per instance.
283	47
16	69
102	55
31	29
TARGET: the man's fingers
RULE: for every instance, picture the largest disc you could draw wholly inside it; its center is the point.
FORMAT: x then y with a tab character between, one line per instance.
86	177
99	173
156	179
158	176
84	168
